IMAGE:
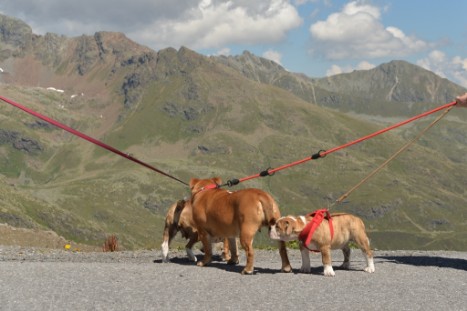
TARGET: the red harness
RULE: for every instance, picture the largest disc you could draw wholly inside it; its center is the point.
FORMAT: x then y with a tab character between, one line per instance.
306	234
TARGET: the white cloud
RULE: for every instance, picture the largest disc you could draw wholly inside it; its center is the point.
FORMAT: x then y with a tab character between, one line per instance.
197	24
273	55
358	32
302	2
454	69
335	69
89	16
216	24
223	51
364	65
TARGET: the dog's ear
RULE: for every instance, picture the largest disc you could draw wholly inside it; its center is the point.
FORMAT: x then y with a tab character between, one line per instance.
289	228
193	182
217	180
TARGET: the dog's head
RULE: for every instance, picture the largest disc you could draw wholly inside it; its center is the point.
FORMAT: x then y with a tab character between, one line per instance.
197	185
286	229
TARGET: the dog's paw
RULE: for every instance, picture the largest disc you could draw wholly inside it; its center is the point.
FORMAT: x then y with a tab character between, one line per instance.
328	271
165	260
345	265
245	272
286	269
233	262
191	255
305	269
202	263
369	269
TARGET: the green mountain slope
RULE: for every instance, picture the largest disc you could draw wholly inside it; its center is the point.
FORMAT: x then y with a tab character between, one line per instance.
197	116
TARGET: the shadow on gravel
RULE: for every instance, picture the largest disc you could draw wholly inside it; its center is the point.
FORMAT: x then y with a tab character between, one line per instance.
187	262
218	263
453	263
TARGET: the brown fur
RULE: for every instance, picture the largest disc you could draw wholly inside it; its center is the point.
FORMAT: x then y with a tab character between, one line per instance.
179	219
346	228
221	213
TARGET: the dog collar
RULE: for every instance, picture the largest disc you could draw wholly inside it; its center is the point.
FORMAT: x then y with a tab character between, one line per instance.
208	187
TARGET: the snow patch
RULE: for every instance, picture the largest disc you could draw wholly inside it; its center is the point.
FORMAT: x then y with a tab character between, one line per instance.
55	90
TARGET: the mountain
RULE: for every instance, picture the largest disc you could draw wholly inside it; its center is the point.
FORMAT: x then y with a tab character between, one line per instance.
397	88
196	116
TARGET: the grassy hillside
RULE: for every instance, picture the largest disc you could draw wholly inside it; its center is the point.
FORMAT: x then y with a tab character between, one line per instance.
83	192
196	116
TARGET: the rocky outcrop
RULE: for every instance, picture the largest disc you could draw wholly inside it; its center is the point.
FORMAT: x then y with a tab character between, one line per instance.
19	142
15	36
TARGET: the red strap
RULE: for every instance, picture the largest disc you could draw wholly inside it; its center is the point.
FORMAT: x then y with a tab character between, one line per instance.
307	233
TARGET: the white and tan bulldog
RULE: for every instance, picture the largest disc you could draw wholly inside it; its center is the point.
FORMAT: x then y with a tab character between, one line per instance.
346	228
179	218
221	213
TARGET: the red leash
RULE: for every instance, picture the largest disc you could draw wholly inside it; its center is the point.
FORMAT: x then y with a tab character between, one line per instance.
306	234
323	153
88	138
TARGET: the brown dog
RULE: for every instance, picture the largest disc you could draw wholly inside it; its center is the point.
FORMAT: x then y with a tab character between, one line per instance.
221	213
179	219
346	228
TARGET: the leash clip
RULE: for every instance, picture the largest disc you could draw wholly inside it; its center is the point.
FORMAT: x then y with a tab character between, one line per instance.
266	172
318	155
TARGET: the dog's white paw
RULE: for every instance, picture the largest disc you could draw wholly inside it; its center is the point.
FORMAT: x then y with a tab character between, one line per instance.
370	267
328	271
165	251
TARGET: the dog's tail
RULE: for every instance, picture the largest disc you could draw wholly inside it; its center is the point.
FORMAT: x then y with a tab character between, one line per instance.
270	209
171	220
171	227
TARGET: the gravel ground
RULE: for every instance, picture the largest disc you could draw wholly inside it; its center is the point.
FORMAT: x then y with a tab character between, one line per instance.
48	279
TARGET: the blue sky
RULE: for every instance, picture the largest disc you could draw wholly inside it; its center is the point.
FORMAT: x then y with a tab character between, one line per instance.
314	37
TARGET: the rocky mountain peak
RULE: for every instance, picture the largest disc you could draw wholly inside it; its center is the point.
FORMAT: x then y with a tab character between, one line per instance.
15	35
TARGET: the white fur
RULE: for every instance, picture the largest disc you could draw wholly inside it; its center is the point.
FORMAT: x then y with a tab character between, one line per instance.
165	251
273	233
328	270
370	268
303	219
276	236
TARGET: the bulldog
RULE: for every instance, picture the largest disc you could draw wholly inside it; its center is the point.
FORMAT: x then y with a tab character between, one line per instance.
345	228
179	219
221	213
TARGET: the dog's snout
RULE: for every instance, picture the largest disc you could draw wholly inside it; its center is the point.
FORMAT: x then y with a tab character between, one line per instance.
273	233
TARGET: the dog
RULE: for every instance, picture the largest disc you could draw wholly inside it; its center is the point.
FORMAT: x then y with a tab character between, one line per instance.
221	213
346	228
179	219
